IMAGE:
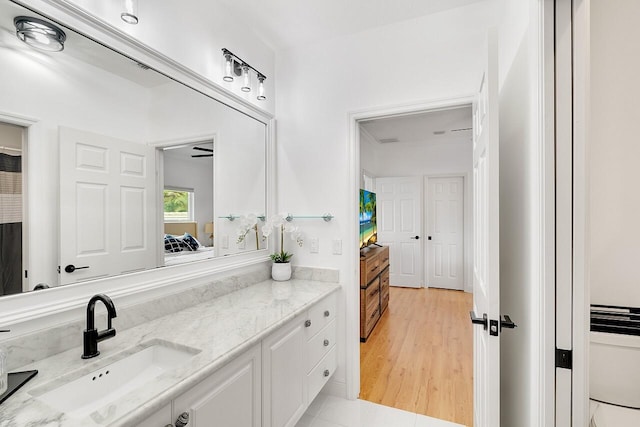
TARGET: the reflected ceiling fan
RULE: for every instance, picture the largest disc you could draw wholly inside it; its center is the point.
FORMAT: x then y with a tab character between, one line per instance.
208	150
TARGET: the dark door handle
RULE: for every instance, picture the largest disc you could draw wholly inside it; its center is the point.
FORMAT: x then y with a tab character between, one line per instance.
71	268
415	238
507	323
429	238
479	320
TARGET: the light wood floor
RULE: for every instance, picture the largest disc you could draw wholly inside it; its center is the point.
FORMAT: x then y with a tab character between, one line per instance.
419	357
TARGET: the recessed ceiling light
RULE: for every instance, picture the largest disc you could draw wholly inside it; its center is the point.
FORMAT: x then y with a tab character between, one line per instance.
39	33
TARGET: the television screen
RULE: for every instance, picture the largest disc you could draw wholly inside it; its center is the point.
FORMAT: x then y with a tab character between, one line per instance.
368	226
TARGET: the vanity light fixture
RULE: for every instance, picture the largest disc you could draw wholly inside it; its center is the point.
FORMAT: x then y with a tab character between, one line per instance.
234	66
39	33
130	12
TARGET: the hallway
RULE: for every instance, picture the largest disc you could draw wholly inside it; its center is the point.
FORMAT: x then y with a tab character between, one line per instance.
419	357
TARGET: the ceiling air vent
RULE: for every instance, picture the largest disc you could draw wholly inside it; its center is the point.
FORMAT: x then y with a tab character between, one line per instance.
388	140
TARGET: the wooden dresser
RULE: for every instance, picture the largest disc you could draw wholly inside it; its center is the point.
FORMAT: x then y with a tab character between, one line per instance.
374	287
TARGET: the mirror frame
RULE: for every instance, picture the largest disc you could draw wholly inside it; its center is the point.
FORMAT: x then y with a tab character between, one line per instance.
25	312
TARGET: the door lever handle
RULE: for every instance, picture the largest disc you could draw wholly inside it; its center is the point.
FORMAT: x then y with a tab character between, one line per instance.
507	323
479	320
71	268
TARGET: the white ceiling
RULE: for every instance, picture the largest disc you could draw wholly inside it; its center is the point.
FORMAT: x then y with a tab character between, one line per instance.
420	128
288	23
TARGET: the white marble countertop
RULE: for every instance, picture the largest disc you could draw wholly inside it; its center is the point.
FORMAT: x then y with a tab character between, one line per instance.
221	329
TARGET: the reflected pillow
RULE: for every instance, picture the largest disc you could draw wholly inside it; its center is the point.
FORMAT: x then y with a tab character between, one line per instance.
172	244
190	242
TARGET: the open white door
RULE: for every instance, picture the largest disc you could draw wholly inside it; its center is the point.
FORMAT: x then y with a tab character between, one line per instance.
400	227
486	254
113	229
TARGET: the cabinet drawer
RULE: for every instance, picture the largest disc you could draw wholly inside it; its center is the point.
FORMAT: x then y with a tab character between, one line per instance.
372	291
384	258
320	345
372	319
158	419
320	315
319	376
369	268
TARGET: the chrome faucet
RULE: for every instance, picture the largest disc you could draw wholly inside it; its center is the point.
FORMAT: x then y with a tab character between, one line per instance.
91	335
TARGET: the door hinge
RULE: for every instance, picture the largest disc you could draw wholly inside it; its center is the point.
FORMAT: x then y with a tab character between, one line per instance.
564	358
26	274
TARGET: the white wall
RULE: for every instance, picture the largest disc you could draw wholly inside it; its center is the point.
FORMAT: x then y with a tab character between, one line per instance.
614	229
193	33
428	58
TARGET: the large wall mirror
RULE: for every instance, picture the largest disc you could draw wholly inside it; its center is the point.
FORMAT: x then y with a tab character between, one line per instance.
126	170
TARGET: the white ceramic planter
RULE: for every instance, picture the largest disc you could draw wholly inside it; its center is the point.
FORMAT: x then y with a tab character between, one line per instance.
281	271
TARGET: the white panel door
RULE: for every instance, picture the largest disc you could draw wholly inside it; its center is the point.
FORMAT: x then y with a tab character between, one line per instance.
398	202
486	261
446	230
107	205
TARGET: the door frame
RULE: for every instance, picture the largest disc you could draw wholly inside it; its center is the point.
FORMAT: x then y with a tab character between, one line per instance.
467	227
352	290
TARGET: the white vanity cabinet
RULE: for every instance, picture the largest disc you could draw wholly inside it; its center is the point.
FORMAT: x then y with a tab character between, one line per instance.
297	361
270	385
231	397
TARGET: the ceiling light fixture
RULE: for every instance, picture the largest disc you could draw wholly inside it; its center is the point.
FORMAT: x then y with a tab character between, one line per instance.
130	13
39	33
234	66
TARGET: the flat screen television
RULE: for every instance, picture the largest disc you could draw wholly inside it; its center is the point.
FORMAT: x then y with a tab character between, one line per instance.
368	220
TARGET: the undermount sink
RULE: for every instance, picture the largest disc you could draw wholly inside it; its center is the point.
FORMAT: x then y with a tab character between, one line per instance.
79	397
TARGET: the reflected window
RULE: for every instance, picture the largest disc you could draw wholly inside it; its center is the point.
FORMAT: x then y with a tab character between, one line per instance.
178	205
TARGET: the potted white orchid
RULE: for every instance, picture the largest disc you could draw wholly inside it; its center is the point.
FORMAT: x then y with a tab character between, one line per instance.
281	268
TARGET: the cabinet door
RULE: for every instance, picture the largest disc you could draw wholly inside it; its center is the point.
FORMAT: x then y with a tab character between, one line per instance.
230	397
283	375
159	419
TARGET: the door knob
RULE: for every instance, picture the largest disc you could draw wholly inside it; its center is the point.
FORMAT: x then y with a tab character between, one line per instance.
71	268
479	320
183	420
507	323
415	238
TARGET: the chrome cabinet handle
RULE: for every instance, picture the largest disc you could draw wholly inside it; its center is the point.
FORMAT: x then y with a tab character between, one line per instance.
183	420
326	343
326	372
307	323
326	313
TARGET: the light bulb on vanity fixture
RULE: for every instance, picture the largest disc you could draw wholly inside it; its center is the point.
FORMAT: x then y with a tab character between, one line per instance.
233	65
130	12
246	86
261	95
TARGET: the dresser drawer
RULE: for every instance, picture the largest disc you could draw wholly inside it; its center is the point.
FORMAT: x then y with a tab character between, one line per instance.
369	268
320	315
320	345
319	376
384	258
370	321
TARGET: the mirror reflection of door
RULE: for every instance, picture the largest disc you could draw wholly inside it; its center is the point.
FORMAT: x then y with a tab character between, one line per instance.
11	212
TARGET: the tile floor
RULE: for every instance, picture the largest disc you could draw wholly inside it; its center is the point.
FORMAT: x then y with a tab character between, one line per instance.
331	411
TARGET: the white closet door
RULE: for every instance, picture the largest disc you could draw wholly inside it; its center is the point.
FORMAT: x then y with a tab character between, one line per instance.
446	232
399	202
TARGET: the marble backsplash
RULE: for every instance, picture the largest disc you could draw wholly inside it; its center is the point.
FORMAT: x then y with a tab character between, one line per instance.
26	349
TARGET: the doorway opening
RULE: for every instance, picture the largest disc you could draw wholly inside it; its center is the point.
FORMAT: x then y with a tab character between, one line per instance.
13	272
419	356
